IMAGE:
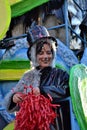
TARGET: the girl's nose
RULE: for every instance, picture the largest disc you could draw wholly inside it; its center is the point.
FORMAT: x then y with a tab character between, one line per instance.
45	55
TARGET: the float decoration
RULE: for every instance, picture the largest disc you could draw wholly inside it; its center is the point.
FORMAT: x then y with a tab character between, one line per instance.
5	17
78	91
36	112
19	7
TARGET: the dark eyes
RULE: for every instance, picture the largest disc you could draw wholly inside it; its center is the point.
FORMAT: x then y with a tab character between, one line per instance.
47	52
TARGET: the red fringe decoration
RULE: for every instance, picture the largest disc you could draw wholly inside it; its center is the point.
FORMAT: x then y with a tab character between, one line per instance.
36	113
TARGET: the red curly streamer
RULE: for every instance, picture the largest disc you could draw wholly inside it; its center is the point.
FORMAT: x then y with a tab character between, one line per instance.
36	113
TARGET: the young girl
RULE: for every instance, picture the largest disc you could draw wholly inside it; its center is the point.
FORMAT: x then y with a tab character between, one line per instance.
43	76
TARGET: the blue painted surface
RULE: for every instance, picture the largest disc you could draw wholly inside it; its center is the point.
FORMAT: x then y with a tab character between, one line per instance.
5	117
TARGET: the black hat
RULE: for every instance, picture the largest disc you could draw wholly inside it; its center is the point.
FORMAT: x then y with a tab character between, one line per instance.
37	33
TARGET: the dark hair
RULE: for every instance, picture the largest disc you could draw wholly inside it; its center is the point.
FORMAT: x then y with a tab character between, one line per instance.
39	48
28	53
40	45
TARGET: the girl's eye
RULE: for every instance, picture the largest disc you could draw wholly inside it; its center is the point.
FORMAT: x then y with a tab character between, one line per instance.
41	53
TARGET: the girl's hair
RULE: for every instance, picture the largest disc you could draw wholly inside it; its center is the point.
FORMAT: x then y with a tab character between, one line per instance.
37	47
40	45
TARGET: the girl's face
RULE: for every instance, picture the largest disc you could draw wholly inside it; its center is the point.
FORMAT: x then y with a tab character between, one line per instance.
44	58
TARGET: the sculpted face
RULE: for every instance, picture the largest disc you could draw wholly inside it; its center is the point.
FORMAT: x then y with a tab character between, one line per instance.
44	57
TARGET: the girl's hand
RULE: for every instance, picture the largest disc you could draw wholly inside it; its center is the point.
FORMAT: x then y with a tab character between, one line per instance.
36	91
17	97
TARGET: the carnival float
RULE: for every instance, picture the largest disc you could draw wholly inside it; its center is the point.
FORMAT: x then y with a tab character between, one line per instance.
15	19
